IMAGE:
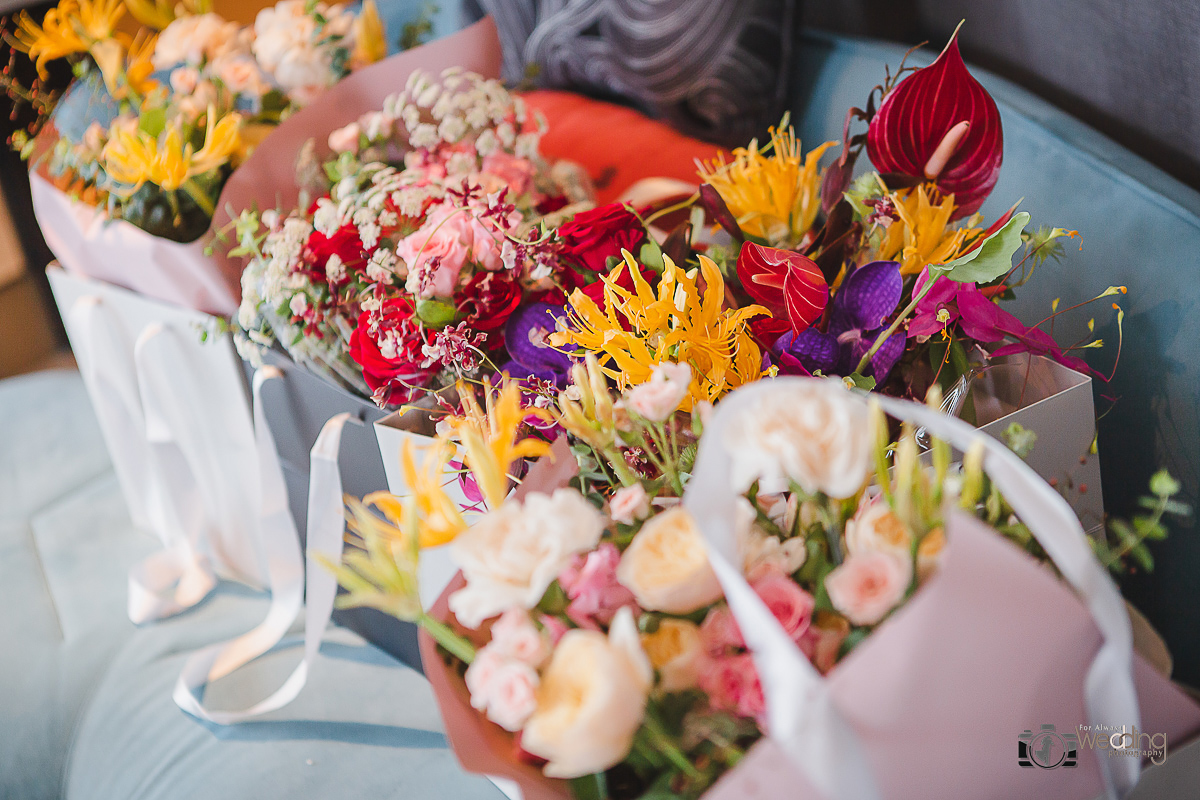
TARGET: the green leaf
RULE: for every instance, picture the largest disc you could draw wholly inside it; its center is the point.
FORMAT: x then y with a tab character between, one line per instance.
990	260
1163	485
863	382
152	121
589	787
436	313
651	255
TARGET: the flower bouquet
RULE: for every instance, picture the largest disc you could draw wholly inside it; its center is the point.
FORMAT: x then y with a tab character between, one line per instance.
756	599
154	123
429	229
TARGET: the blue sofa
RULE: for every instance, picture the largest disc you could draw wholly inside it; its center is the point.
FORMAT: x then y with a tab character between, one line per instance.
85	697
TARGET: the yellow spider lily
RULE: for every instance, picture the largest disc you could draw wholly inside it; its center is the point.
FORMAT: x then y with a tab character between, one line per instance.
71	27
139	64
133	157
774	193
923	234
158	14
370	44
439	516
642	329
489	436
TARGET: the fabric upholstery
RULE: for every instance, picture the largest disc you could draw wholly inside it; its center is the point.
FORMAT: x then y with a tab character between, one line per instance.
1138	227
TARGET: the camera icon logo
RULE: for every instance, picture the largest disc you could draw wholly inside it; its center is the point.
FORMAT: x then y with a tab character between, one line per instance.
1047	748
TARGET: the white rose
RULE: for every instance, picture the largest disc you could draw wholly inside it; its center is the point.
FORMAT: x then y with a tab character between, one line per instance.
240	74
760	550
592	700
876	527
807	430
657	398
666	565
345	139
512	555
629	503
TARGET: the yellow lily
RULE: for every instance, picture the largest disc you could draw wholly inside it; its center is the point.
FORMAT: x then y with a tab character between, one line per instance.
158	14
439	516
923	234
133	157
773	192
139	65
489	436
643	328
370	44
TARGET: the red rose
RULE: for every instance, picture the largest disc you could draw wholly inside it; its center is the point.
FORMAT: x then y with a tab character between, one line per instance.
592	236
344	243
488	300
392	329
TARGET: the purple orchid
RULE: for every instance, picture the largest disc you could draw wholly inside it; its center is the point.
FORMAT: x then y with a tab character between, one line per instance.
525	336
981	319
867	297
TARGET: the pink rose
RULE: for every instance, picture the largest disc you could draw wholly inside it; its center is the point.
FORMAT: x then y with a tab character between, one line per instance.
345	139
657	398
821	644
504	688
720	632
554	628
513	172
732	684
436	252
515	636
790	604
591	584
629	503
868	585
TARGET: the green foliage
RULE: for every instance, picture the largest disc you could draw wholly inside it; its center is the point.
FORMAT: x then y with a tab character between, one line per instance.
1125	540
990	260
1019	439
420	29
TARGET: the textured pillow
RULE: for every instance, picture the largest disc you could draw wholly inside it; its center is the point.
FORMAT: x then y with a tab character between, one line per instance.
714	68
618	146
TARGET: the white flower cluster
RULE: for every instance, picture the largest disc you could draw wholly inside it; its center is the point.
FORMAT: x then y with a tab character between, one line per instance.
296	43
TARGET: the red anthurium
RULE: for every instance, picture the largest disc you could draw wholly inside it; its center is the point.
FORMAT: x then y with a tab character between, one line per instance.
786	283
940	124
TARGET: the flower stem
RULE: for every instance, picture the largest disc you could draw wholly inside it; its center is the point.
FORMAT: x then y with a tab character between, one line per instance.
662	212
662	742
456	645
197	194
883	337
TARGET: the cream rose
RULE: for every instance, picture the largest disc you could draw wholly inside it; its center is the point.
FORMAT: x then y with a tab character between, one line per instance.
591	701
811	431
511	555
666	566
876	527
763	551
657	398
676	650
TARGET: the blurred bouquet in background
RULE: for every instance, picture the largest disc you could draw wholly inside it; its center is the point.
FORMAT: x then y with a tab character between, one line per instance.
155	121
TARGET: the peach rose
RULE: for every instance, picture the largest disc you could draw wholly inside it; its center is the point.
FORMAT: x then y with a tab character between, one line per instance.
592	700
666	565
345	139
876	527
929	553
676	651
866	586
811	431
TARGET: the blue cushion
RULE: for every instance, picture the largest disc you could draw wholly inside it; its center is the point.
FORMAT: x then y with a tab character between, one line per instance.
1139	228
364	726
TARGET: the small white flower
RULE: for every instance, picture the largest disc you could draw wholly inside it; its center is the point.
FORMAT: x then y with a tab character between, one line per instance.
298	305
424	135
452	129
487	143
335	269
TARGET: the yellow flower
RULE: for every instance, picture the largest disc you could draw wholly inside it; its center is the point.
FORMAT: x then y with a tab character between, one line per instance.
641	330
923	234
774	193
489	436
382	572
74	26
439	516
139	65
133	157
370	44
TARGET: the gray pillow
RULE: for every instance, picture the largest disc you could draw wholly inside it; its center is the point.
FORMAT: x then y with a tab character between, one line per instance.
715	68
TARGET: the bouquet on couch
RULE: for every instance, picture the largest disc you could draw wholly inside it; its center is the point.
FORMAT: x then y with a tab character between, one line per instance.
155	122
591	621
429	252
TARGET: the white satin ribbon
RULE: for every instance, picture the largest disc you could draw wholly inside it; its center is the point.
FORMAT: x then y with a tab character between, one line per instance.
285	570
803	718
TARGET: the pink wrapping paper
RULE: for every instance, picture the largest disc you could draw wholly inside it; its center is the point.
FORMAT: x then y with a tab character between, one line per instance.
992	645
86	242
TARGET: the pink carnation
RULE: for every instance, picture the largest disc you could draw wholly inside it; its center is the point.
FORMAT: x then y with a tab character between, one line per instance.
515	636
591	584
789	603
